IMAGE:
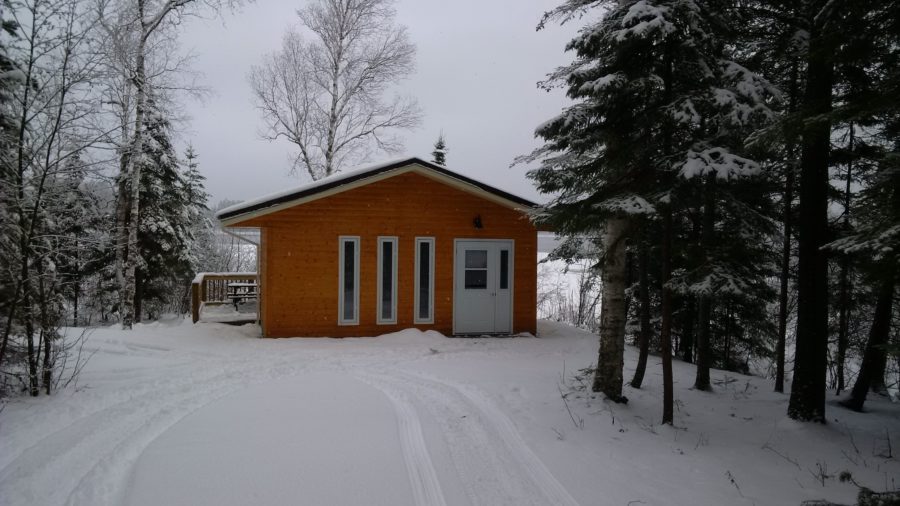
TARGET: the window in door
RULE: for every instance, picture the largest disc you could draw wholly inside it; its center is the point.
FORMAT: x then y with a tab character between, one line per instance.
476	265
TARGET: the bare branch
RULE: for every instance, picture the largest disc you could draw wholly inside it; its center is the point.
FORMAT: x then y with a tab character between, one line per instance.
327	95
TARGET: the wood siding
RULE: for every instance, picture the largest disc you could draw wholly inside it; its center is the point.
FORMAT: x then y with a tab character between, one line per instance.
299	255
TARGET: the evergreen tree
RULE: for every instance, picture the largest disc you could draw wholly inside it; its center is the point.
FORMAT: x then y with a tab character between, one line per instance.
9	83
172	202
439	155
76	226
776	49
658	103
864	35
876	242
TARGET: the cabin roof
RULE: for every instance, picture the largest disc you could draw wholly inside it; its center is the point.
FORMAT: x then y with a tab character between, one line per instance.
344	181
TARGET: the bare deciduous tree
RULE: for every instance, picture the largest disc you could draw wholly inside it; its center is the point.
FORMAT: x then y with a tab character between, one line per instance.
46	111
327	95
148	18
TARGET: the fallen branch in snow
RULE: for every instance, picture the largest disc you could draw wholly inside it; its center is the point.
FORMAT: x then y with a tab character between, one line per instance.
855	461
888	453
821	473
767	446
733	482
852	441
776	452
578	424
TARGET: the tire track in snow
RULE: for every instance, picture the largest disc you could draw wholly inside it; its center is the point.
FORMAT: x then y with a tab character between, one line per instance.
32	435
494	462
536	468
422	476
113	437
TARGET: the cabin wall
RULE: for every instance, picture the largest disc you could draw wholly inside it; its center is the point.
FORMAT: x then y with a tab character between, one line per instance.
299	255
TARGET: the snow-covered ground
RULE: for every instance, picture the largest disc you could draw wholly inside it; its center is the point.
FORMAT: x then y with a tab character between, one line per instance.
173	413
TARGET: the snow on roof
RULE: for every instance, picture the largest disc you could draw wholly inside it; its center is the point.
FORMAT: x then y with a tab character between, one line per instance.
339	179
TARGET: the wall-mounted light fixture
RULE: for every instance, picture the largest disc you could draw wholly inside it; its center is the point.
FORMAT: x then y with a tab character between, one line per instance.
477	222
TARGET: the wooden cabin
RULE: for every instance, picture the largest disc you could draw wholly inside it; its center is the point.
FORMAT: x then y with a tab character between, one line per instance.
393	246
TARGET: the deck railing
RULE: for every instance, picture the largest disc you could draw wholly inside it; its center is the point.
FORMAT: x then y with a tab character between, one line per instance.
213	287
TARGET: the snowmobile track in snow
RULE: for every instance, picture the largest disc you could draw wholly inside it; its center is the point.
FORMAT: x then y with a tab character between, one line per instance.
422	476
117	434
494	463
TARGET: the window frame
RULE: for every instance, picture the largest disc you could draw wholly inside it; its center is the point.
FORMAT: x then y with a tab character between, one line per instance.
342	240
379	303
416	298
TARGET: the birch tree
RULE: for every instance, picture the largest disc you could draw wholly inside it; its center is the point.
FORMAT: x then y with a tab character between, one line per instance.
148	17
326	94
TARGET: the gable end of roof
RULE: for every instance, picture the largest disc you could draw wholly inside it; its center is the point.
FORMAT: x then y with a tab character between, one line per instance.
281	200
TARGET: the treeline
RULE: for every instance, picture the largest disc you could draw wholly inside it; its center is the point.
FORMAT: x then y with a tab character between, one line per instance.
101	219
738	165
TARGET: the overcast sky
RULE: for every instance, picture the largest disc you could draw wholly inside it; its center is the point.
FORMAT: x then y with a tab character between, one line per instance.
478	62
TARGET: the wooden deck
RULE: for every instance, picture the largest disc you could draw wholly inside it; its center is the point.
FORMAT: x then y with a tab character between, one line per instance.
225	297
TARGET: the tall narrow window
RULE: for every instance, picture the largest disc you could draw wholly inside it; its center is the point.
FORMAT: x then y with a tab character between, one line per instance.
387	280
424	297
348	292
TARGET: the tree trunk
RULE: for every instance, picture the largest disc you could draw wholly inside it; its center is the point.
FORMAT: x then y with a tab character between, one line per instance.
47	332
687	330
877	385
787	220
844	303
644	313
665	331
807	400
122	206
77	281
785	281
126	299
875	354
28	316
629	280
138	296
665	334
333	114
701	382
610	360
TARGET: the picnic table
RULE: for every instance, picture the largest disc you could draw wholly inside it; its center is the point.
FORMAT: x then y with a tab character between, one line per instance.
241	291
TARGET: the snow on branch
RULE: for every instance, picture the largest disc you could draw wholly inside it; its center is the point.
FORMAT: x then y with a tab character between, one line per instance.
712	280
686	113
599	84
719	161
642	18
627	204
748	94
880	243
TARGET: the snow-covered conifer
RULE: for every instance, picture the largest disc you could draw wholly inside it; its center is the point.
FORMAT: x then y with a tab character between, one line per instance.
658	102
172	201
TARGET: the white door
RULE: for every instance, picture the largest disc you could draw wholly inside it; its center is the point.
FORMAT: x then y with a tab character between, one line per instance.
482	294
